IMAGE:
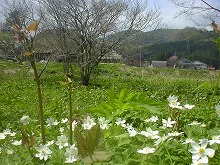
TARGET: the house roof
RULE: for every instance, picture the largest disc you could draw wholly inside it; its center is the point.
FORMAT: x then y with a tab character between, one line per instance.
159	63
198	62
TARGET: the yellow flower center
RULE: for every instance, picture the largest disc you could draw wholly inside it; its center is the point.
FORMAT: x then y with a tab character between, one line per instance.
201	150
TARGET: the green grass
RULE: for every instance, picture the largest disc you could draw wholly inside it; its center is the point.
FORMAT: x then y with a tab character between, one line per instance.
18	94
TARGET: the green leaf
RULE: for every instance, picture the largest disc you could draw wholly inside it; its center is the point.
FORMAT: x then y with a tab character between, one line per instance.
93	139
81	143
98	156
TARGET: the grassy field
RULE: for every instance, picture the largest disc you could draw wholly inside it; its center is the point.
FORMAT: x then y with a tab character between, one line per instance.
18	97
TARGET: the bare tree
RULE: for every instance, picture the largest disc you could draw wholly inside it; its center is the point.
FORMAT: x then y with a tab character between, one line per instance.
89	24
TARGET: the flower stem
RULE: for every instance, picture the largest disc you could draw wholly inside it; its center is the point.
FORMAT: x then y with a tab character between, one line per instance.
40	100
71	115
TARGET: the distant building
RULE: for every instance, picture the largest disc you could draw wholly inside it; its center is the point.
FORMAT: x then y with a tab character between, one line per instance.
199	65
184	63
112	57
158	64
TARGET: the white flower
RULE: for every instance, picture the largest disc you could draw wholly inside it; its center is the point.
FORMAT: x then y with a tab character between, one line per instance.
7	132
161	140
121	122
2	136
215	139
194	123
88	123
50	142
188	140
55	122
217	109
202	161
61	130
146	150
43	152
154	119
187	106
129	126
12	133
168	122
50	121
103	123
201	152
10	151
64	120
132	132
150	133
62	141
173	102
74	124
172	99
0	150
25	120
17	143
175	134
71	154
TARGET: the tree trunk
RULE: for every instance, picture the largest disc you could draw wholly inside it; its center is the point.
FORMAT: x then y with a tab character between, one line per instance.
85	75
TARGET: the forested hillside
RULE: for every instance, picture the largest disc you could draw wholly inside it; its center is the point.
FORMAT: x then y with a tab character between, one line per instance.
160	44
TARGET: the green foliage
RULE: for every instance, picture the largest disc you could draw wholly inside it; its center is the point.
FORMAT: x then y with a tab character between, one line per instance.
126	103
91	147
134	94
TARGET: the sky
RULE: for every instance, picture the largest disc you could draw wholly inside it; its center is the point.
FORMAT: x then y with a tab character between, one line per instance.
168	12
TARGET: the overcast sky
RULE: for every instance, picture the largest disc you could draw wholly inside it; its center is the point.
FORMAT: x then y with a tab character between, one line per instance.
169	10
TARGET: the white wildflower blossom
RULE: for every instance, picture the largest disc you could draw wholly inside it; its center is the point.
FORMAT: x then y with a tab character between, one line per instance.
153	119
121	122
201	151
187	106
146	150
215	139
194	123
50	121
44	152
149	133
88	123
175	134
55	122
12	133
25	120
50	142
10	151
61	130
17	142
132	132
202	161
71	154
62	141
74	124
64	120
168	123
217	109
188	140
103	123
173	102
6	132
2	136
161	140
